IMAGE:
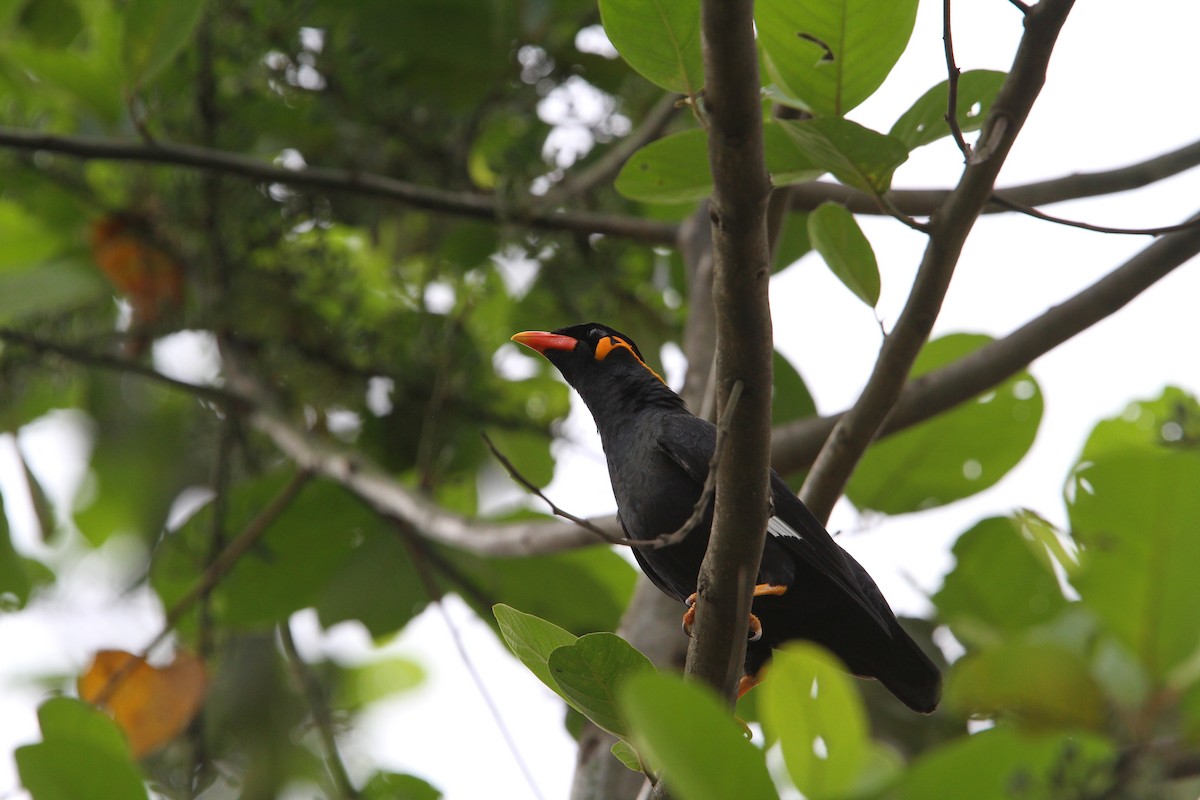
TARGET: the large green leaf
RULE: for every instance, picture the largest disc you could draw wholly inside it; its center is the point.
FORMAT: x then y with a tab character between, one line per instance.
811	709
925	121
532	640
836	236
675	169
590	672
155	32
832	54
681	728
1134	509
1042	683
998	586
855	155
82	756
957	453
990	764
377	584
292	564
658	38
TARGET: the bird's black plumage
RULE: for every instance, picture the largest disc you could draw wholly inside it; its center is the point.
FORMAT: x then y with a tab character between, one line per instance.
658	455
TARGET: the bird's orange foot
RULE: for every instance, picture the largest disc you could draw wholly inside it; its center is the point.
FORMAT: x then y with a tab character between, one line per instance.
689	616
755	629
689	620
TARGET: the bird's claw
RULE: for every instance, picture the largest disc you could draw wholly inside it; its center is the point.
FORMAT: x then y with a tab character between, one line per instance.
689	616
689	621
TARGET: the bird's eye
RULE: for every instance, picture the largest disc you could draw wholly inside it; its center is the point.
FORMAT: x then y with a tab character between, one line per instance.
596	334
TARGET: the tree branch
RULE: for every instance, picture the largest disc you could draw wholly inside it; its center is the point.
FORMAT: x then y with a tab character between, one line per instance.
118	364
949	228
796	444
923	202
319	710
741	273
465	204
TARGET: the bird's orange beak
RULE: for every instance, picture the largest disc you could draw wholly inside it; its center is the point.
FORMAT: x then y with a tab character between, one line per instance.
542	341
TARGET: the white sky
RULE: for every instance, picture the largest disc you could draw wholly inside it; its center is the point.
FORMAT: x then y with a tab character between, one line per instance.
1120	89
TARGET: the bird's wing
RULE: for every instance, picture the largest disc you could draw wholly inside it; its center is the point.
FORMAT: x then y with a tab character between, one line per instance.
690	441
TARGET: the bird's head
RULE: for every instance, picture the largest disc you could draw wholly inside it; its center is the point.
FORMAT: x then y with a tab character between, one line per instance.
591	354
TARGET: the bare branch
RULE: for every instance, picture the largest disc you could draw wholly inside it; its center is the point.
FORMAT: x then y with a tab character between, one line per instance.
950	226
464	204
952	73
319	710
795	445
923	202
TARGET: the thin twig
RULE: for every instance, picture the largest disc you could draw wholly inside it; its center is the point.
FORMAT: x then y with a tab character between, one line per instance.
92	359
464	204
437	596
950	227
952	73
319	709
699	509
1023	7
1030	211
516	475
213	574
923	202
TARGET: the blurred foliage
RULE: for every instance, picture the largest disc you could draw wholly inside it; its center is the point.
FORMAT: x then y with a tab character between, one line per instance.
386	326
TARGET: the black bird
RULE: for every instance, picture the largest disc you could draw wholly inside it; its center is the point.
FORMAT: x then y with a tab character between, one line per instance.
658	454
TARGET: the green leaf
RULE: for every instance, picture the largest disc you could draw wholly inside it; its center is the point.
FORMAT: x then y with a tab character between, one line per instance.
660	39
811	709
18	574
832	54
532	639
623	751
790	399
82	756
856	156
363	685
49	288
925	121
24	239
998	586
155	32
289	567
1134	512
684	730
793	242
957	453
590	672
994	763
675	169
377	584
389	786
836	236
1040	683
